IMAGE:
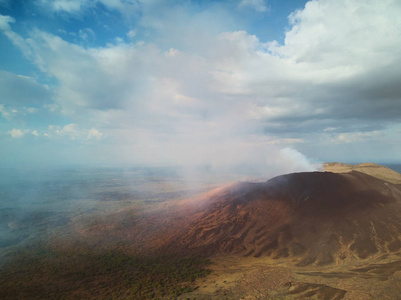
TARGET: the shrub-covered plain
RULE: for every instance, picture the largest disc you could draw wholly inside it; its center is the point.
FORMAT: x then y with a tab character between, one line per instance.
43	273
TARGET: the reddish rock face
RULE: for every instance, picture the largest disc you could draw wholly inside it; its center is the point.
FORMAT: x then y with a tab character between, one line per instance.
317	217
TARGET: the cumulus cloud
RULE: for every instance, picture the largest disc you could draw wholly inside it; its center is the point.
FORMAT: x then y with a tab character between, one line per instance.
18	133
325	69
73	132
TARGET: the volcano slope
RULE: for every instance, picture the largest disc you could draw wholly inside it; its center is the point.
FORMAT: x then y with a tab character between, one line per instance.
332	235
316	218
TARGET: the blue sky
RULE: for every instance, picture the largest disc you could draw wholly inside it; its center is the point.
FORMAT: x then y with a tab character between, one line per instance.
255	82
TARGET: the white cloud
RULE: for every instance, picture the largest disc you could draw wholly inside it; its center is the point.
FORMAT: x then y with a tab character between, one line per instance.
73	132
172	52
93	133
86	34
17	133
351	137
10	113
35	133
4	113
367	30
103	78
5	22
131	33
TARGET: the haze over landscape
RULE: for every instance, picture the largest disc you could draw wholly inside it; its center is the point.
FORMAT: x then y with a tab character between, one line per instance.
244	149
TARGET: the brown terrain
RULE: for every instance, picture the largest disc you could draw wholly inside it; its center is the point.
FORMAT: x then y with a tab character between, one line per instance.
315	235
334	234
374	170
313	218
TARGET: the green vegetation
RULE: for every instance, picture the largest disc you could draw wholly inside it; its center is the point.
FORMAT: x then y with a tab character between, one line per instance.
43	273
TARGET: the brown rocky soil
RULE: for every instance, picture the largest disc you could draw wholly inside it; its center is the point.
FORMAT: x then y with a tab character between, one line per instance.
315	235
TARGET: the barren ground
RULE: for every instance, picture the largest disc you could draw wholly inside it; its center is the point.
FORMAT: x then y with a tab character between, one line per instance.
350	250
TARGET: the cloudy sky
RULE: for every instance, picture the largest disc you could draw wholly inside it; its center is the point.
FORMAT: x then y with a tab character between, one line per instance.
200	82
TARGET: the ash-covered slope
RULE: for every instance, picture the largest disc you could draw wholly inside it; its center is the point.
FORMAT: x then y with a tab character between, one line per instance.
317	217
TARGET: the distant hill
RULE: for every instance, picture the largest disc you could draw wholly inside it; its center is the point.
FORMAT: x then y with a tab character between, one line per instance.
371	169
315	218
